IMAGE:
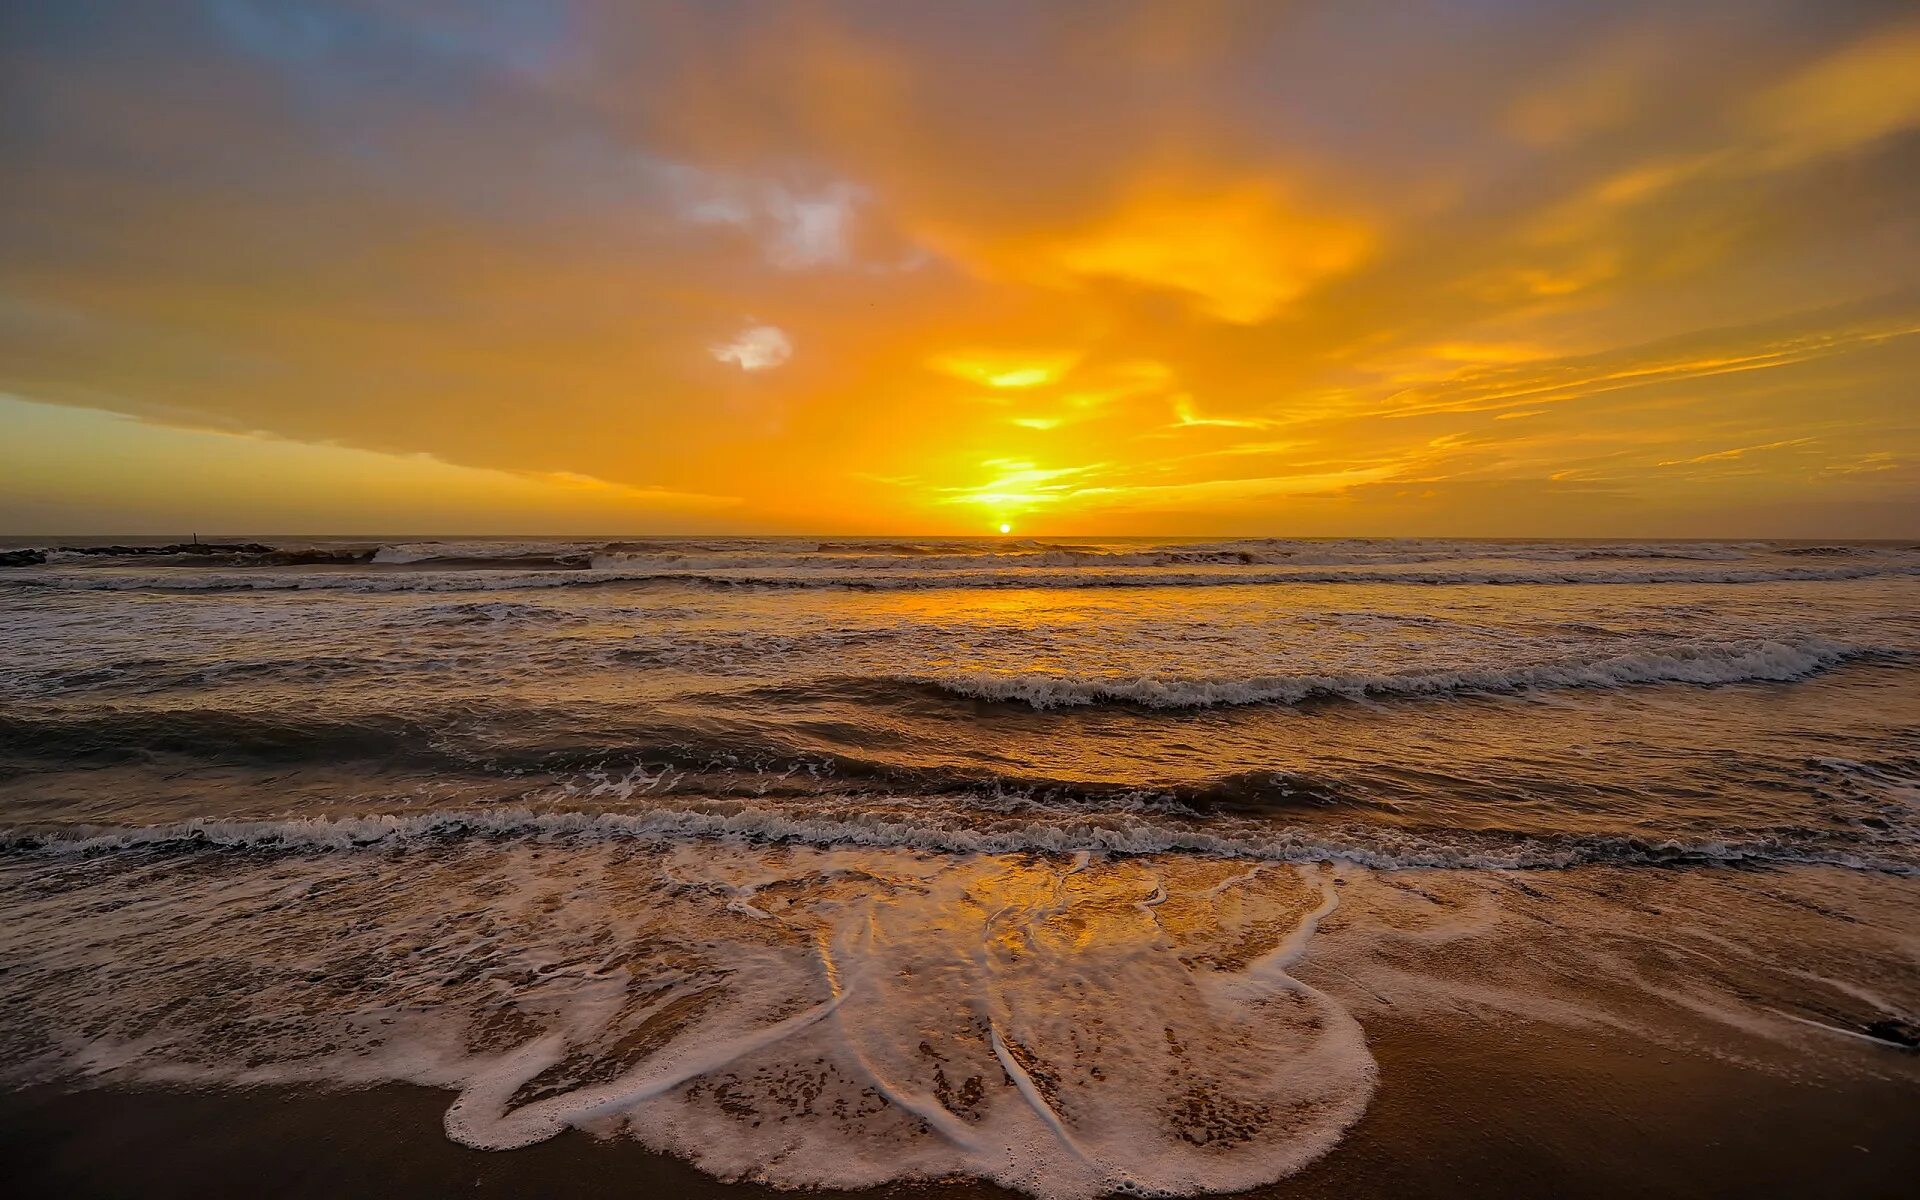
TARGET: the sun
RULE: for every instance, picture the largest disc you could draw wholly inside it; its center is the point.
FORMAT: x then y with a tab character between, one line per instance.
1005	528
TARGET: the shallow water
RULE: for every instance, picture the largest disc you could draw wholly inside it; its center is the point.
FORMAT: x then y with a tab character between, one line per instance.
1077	867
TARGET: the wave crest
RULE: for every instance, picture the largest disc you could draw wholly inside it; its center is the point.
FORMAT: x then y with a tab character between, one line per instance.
1697	663
1374	847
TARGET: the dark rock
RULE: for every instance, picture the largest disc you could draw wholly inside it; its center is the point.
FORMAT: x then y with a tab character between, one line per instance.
1893	1029
205	548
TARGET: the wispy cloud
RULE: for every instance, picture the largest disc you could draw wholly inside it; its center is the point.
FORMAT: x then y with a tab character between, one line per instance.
1736	452
1696	356
1187	416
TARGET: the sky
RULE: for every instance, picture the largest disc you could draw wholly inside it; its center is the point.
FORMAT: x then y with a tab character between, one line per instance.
1473	268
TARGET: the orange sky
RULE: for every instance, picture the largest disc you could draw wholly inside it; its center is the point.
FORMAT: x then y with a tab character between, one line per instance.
1474	268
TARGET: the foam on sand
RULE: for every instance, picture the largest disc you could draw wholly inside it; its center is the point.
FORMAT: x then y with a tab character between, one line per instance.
1064	1025
875	1017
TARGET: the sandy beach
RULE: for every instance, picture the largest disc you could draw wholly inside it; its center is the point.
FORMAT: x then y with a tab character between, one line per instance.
1463	1108
1601	1031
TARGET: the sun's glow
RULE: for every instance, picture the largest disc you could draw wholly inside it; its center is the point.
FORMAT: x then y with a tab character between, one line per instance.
1005	528
1006	370
1237	252
1195	285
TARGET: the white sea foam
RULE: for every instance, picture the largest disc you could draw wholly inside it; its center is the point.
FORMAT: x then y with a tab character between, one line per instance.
883	1018
1065	1027
1061	832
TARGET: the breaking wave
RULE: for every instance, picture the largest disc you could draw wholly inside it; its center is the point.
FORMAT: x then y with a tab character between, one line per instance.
1379	848
1696	663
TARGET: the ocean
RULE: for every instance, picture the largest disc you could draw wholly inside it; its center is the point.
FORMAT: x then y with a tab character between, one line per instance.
1071	866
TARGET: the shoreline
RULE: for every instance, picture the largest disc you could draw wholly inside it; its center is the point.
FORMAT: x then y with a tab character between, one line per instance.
1464	1106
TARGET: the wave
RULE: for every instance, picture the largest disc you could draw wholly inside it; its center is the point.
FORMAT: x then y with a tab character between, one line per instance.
630	763
127	734
1695	662
881	555
491	612
933	560
484	556
189	554
153	675
501	738
1696	554
501	580
854	556
1377	848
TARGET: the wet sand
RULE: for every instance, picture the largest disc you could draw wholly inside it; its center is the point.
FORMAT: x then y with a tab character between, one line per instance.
1464	1107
